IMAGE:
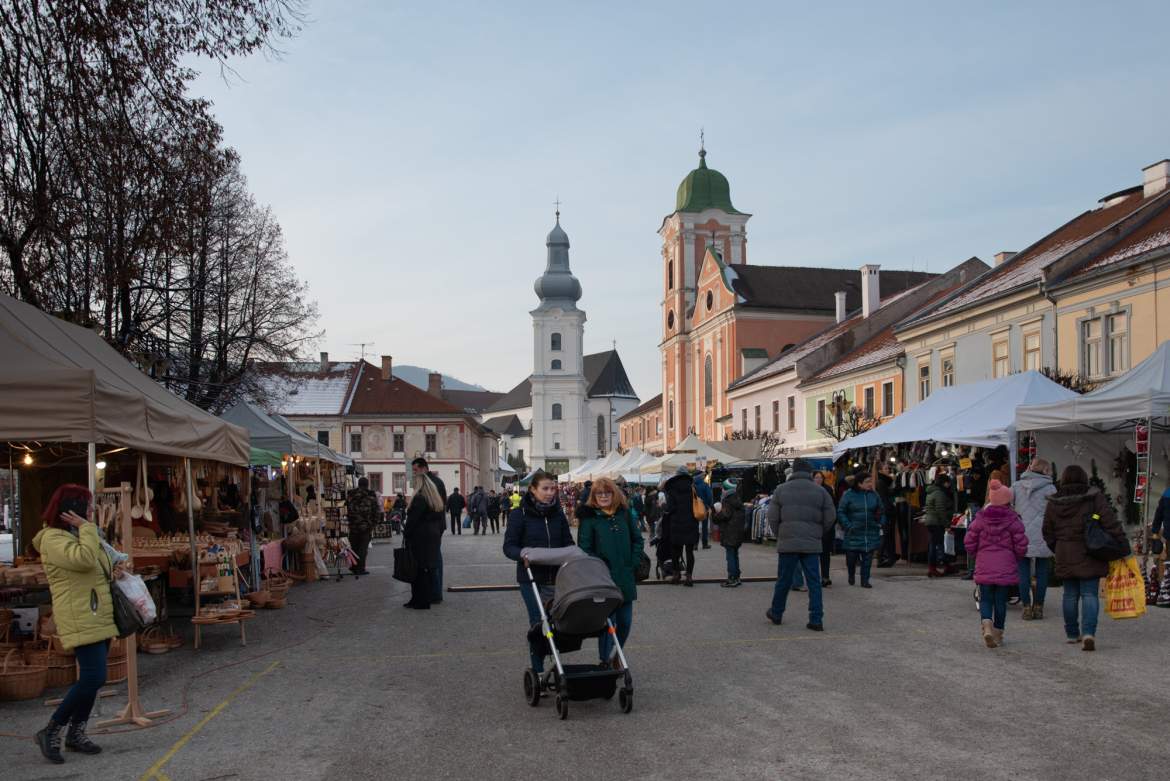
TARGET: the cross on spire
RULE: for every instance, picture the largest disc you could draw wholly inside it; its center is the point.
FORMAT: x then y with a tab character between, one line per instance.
557	203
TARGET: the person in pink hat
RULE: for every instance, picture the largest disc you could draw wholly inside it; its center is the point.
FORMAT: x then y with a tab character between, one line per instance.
998	541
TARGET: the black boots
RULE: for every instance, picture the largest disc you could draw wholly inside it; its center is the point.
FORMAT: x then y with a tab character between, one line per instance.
77	740
49	741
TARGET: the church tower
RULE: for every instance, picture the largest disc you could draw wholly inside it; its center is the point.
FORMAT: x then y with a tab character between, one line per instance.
703	217
558	372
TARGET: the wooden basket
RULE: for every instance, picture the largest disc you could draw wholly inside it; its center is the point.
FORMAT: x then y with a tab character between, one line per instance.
278	586
117	670
153	640
259	598
19	681
61	666
117	649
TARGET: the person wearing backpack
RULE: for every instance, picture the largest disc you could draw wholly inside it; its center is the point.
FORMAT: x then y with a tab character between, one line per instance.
1065	519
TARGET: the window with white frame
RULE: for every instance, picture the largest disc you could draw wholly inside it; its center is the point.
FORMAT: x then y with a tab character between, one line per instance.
820	413
757	418
1118	326
1091	348
1000	357
947	364
792	413
398	481
556	411
776	415
743	420
376	482
887	399
923	381
868	403
399	443
1032	351
432	443
355	442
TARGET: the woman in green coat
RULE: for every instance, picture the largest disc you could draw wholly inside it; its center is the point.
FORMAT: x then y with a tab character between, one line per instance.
79	571
939	510
609	530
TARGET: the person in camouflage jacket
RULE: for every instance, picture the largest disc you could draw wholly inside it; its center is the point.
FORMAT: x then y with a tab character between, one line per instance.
361	508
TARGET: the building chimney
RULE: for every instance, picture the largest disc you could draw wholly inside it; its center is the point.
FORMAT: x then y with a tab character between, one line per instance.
840	296
324	362
871	289
1003	257
387	367
1156	178
435	384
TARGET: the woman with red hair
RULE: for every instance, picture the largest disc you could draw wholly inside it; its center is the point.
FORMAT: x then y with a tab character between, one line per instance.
79	573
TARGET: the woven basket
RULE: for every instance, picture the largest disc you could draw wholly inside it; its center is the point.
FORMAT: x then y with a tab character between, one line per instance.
117	649
278	587
259	598
19	681
276	603
117	670
62	667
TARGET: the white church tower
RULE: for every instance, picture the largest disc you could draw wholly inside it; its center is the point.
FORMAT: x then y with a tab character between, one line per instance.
558	378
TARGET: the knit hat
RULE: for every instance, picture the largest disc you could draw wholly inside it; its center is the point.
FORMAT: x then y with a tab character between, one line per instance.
802	465
729	485
998	493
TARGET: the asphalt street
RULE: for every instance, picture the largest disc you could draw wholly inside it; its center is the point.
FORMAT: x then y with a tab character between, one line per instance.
346	684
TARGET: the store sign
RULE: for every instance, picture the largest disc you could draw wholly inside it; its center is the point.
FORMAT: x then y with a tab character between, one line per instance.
964	463
556	466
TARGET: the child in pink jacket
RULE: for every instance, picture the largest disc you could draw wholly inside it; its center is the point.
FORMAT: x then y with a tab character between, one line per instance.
998	541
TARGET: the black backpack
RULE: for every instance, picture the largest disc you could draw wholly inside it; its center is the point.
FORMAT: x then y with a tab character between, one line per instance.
1100	544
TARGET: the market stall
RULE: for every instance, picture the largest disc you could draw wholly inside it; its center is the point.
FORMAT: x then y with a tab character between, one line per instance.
66	393
692	451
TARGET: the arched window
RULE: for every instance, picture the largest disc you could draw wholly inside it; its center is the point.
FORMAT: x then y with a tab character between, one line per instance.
670	319
708	390
556	364
601	448
670	415
556	341
556	412
670	275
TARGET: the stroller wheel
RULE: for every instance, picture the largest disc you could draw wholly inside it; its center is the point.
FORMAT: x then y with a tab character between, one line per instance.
531	687
626	699
562	707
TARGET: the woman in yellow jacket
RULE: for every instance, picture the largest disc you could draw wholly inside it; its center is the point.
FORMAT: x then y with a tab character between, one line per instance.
79	571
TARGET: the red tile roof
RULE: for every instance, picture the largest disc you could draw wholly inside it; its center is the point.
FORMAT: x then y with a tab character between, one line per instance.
374	396
1154	235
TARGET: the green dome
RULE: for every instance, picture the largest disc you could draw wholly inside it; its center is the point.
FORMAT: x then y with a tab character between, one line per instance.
704	188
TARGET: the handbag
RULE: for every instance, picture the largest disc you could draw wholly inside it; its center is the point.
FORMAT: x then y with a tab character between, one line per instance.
642	571
126	617
1100	544
698	509
405	567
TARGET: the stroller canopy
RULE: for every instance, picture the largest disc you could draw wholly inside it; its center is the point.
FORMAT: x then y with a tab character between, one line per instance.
585	596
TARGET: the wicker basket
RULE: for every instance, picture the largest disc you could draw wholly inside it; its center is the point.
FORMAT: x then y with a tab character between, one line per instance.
117	649
117	670
19	681
278	587
276	603
259	598
62	666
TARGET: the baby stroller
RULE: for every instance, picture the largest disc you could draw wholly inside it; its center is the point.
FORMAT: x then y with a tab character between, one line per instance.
395	522
663	554
584	597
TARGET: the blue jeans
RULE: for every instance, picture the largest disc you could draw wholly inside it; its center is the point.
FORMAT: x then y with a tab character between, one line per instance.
810	563
732	554
1082	593
623	619
533	610
993	603
1026	580
79	699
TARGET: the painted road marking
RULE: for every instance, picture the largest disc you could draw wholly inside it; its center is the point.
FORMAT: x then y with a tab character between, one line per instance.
155	772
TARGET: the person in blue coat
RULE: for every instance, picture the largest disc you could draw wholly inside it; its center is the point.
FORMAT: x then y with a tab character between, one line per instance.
539	522
860	515
703	490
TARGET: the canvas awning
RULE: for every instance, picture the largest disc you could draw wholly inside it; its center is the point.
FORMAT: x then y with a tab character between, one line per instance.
506	468
689	451
1142	392
265	432
64	383
981	414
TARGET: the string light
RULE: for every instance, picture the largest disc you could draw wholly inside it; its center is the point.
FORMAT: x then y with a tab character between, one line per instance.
100	465
28	459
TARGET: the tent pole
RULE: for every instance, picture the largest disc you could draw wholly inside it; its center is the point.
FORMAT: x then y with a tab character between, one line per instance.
191	528
91	467
16	530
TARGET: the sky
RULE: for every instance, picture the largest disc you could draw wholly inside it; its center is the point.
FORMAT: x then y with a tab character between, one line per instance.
412	151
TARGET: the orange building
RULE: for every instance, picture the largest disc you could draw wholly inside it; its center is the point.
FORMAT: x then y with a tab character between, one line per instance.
721	317
642	427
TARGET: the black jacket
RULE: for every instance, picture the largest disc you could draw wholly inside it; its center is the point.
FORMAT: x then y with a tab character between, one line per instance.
423	532
456	503
680	526
530	526
731	520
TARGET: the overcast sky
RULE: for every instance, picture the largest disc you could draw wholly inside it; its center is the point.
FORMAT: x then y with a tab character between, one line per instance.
412	151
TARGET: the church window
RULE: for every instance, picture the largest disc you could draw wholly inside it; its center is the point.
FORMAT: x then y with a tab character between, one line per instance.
670	415
556	364
601	434
670	319
710	300
708	390
556	412
670	275
556	341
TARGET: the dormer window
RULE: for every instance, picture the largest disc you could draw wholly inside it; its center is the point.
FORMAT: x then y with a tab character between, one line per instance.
556	342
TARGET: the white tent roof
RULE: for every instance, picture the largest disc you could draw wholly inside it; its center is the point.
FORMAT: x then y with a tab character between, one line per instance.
573	474
980	414
622	465
686	452
602	468
1142	392
506	468
64	383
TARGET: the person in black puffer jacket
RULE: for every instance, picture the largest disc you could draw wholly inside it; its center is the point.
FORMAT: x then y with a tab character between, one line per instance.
682	527
539	522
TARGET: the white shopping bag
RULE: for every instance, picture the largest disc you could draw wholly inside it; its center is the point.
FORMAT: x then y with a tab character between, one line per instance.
949	543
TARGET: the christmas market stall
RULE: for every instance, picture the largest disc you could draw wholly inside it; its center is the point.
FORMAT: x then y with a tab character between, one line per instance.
1118	433
73	410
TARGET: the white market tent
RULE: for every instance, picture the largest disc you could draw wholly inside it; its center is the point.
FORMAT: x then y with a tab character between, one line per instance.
602	468
573	475
980	414
63	383
506	468
1142	392
623	463
686	452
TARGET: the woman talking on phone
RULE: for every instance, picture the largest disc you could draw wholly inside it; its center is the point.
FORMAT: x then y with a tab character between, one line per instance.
79	573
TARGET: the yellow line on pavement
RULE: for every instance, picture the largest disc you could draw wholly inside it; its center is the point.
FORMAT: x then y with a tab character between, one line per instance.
155	772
